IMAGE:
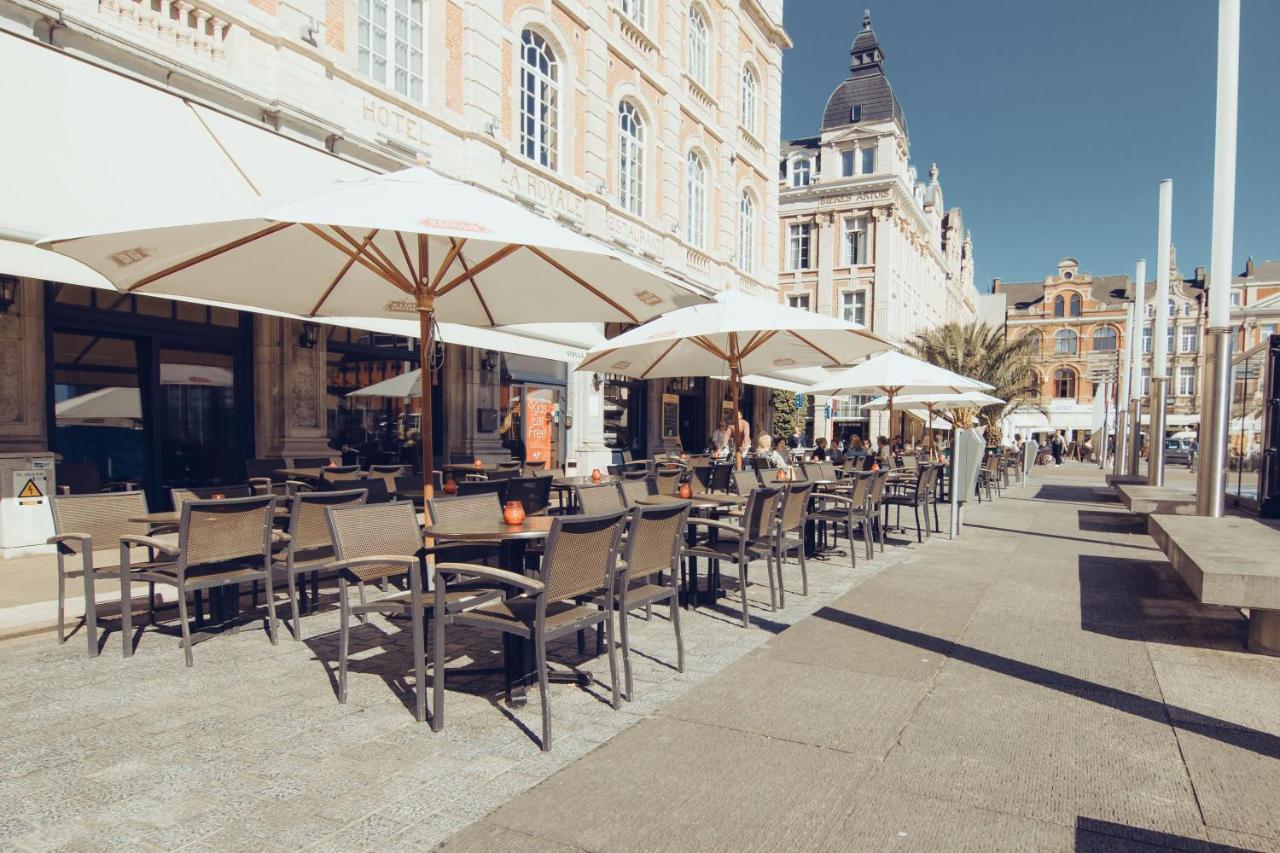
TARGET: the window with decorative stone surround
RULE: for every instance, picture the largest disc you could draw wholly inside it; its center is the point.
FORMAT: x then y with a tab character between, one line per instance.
390	42
800	236
630	158
748	100
696	200
698	51
636	10
539	100
746	233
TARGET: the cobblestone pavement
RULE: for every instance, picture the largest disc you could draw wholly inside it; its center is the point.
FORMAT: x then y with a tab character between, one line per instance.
251	750
1043	683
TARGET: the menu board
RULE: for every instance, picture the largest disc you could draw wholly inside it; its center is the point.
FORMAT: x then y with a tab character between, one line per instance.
670	417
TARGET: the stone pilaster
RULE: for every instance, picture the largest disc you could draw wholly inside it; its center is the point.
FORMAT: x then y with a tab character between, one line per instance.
289	391
22	374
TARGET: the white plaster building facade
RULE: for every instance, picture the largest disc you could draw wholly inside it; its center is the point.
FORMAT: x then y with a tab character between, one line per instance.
860	235
647	124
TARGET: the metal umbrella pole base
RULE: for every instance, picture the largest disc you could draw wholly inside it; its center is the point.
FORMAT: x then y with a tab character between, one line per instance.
1135	437
1215	414
1155	454
1121	442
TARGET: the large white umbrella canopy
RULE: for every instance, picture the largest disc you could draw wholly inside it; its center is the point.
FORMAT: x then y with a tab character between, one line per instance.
894	374
403	245
734	335
924	406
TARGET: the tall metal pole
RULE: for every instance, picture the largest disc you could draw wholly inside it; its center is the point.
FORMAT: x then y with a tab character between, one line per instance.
1135	367
1215	396
1159	337
1122	396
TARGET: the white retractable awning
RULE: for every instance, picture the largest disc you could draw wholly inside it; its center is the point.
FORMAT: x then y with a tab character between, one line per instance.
91	150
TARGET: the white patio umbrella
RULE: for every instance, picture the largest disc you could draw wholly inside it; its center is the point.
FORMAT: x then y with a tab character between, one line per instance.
406	244
733	335
931	403
895	374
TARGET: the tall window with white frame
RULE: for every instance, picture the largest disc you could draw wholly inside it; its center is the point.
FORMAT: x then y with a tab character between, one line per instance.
1187	381
748	105
1190	339
800	234
635	10
746	233
801	171
853	306
697	46
868	164
390	42
853	241
539	100
798	300
630	159
696	200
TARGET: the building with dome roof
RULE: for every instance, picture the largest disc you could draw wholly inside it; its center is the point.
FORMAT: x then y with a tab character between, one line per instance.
861	235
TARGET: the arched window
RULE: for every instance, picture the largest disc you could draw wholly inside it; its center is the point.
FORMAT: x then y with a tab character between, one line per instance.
1064	384
1074	309
748	117
630	159
539	100
1036	341
696	200
1104	339
801	171
1059	306
1064	342
697	46
746	233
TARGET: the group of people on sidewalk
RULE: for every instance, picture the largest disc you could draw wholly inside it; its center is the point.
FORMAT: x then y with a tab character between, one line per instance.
783	452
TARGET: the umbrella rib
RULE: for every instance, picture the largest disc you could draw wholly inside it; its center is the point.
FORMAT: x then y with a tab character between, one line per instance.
390	264
342	272
455	247
812	345
378	259
665	352
595	358
359	258
212	253
582	282
477	269
404	250
758	340
707	345
462	260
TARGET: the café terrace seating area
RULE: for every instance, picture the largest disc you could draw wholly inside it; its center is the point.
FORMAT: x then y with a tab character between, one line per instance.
501	579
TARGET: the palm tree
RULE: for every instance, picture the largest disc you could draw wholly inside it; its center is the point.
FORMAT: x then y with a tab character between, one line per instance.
981	351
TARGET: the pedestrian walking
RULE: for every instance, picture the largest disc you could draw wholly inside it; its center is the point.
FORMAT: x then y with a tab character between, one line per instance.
1056	447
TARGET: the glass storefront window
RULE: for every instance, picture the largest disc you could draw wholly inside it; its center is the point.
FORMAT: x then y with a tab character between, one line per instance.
371	429
97	405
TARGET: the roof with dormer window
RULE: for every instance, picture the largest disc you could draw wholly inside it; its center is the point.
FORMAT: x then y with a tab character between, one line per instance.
866	87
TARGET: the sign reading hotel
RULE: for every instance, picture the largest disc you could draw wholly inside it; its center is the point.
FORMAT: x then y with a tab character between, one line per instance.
394	122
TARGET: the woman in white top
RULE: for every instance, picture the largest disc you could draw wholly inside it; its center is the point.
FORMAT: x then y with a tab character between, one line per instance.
764	447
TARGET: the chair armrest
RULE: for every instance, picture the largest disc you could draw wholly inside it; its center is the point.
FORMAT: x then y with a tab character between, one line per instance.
839	499
498	575
719	525
148	542
63	540
444	548
352	567
260	485
64	490
299	486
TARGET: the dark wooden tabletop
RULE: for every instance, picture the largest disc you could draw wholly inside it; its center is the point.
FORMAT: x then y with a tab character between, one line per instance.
491	529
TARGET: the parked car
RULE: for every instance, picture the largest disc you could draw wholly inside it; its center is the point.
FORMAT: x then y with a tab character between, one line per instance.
1179	451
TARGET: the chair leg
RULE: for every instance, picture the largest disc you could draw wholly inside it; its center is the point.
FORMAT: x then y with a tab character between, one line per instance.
294	606
778	597
364	619
804	569
742	584
270	591
615	699
626	654
344	638
418	639
126	613
62	602
186	627
437	671
255	593
675	621
151	603
91	604
540	650
919	536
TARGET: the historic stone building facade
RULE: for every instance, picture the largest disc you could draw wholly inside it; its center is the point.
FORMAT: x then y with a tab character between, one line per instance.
647	124
860	235
1077	319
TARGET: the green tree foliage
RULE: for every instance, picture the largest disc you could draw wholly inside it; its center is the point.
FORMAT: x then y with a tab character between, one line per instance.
983	352
786	414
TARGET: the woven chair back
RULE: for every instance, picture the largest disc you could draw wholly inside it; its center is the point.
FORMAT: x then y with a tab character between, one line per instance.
794	502
372	529
534	493
668	481
217	531
600	498
103	517
745	481
204	493
497	488
653	538
340	472
632	489
582	552
309	517
459	509
761	510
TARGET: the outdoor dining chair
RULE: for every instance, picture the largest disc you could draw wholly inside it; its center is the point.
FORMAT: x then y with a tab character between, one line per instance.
649	574
875	501
581	561
84	524
919	497
261	475
668	480
376	487
312	461
484	487
85	478
337	473
599	498
789	537
720	477
534	493
745	481
741	543
848	510
634	489
310	549
181	496
383	542
221	543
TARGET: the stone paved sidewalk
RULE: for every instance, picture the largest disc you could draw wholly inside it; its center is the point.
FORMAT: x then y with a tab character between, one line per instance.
250	749
1044	683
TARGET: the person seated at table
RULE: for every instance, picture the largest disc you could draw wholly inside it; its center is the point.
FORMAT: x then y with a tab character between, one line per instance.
720	441
765	448
884	453
819	450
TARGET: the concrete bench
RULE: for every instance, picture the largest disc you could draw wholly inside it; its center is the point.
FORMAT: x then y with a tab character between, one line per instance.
1115	480
1164	500
1231	561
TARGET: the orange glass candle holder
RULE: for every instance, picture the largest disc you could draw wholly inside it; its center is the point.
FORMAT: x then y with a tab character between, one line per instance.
513	512
596	476
450	487
685	491
479	463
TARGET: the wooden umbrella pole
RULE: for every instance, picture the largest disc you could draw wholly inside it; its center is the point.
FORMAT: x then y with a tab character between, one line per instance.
426	376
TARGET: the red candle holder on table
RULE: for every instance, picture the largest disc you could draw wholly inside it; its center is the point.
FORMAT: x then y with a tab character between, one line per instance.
450	487
596	476
513	512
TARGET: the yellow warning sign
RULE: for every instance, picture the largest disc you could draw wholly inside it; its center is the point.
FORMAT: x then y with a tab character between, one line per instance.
30	490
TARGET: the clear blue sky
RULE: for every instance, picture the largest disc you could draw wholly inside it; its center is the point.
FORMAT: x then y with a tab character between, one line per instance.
1053	122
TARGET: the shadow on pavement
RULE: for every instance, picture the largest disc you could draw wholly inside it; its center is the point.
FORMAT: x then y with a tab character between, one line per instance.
1060	536
1095	836
1069	494
1144	600
1252	740
1118	521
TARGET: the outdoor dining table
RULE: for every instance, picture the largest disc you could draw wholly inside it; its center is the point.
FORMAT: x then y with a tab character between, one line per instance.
512	540
469	468
565	485
309	475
